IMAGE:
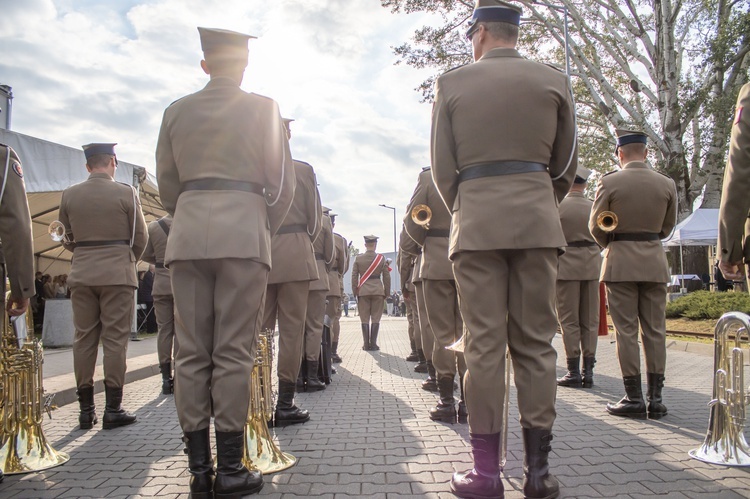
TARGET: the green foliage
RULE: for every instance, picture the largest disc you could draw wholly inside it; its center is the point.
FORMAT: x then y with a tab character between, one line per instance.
708	305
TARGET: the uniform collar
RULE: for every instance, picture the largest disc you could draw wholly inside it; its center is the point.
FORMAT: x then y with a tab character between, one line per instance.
100	175
501	52
221	81
636	164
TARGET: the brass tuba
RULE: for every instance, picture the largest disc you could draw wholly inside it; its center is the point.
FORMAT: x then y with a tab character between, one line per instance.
56	231
23	446
725	442
260	451
421	215
607	221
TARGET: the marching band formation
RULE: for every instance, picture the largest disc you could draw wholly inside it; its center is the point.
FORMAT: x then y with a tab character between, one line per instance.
499	245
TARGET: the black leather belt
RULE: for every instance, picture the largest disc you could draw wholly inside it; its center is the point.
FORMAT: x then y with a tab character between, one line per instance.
221	184
499	168
439	233
636	236
319	256
85	244
291	229
581	244
159	266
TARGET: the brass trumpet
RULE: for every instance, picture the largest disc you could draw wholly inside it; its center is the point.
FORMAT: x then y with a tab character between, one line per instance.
421	215
56	231
260	451
23	446
725	442
607	221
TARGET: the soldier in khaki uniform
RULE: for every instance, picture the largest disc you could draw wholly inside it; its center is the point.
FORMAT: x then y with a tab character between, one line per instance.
440	295
503	142
294	268
635	269
734	213
339	267
225	174
371	283
316	306
106	243
578	285
16	240
158	231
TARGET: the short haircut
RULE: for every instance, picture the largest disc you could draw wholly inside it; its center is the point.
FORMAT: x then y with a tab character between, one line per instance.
501	31
98	160
634	149
226	60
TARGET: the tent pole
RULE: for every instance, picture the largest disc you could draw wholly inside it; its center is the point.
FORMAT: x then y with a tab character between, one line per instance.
683	290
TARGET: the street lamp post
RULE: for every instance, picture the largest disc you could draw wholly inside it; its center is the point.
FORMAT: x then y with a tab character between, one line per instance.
395	253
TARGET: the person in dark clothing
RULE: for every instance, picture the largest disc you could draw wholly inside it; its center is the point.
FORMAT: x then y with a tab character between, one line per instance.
145	287
721	283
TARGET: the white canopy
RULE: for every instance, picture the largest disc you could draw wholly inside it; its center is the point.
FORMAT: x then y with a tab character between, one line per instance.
50	168
699	229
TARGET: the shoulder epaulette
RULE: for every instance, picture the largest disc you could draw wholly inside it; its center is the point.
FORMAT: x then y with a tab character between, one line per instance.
610	173
176	101
258	95
303	162
457	67
4	145
426	168
556	68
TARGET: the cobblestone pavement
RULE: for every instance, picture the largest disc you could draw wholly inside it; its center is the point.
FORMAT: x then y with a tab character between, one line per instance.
370	435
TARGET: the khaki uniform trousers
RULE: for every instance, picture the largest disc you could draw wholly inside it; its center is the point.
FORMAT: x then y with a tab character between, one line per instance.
370	308
578	313
101	313
425	328
333	311
411	311
441	303
629	303
507	298
316	309
288	301
165	340
218	312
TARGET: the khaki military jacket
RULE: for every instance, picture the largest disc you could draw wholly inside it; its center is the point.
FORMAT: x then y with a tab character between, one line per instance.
435	262
405	270
100	209
325	253
734	213
504	108
380	280
644	201
339	266
292	253
223	132
15	226
156	248
578	263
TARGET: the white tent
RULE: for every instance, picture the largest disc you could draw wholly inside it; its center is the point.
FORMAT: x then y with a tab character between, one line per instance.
701	228
48	169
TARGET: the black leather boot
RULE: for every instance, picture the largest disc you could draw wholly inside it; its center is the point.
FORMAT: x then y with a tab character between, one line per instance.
334	353
656	410
538	483
573	376
484	480
588	371
301	380
286	412
313	382
421	366
87	417
114	415
445	411
233	479
167	382
200	464
632	404
413	356
430	384
463	411
374	336
365	337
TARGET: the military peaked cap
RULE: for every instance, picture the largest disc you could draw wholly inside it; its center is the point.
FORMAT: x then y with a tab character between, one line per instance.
98	148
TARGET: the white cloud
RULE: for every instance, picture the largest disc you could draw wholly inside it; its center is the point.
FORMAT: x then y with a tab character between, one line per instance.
92	70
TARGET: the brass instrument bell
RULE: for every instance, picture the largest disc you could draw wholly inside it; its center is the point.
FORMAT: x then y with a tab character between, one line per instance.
421	215
56	231
607	221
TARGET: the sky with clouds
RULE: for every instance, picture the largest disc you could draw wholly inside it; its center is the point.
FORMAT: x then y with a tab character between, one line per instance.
104	70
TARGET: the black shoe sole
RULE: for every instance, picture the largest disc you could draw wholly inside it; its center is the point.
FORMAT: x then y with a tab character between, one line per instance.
587	385
237	495
288	422
201	495
312	388
631	415
88	426
472	495
112	426
656	415
444	419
